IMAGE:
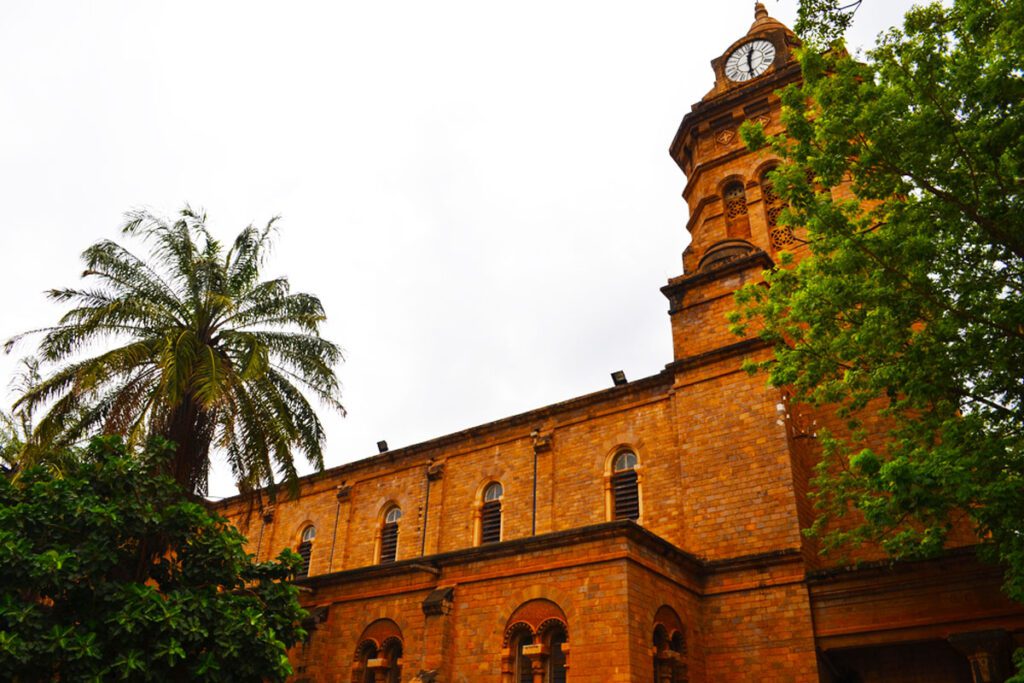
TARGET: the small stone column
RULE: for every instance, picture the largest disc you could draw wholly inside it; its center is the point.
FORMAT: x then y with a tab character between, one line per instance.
538	655
665	661
508	665
986	651
380	667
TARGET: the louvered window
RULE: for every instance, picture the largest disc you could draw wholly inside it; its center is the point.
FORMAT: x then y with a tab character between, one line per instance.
625	493
306	549
490	514
389	536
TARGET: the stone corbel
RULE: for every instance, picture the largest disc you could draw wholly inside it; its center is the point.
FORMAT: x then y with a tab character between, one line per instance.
435	471
538	655
439	602
541	441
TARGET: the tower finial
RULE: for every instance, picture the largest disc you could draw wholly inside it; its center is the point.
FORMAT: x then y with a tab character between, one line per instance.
759	11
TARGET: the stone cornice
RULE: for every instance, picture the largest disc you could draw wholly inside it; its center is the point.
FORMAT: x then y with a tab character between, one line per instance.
718	105
623	529
677	287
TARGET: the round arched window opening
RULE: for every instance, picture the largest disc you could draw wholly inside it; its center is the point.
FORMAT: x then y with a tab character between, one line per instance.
493	492
393	515
305	549
490	514
624	461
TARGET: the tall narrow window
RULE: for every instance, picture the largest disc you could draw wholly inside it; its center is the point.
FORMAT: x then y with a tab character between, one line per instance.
523	670
393	653
306	548
389	536
625	493
781	236
367	652
556	661
490	514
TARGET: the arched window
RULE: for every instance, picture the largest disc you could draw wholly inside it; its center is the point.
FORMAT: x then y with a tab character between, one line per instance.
625	491
490	514
734	198
363	673
670	665
306	548
780	236
556	638
378	657
523	672
392	650
537	642
389	535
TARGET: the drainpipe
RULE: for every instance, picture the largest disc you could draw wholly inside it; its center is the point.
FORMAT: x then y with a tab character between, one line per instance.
426	511
341	495
267	516
535	434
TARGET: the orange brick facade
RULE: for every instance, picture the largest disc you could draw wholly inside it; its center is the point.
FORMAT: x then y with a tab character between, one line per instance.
713	581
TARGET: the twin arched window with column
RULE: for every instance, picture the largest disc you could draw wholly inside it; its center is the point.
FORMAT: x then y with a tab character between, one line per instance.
670	657
536	644
378	657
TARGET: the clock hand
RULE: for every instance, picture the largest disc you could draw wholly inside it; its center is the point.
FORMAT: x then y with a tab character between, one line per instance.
750	61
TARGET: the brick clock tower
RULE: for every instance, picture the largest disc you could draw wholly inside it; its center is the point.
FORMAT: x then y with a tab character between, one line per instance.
733	212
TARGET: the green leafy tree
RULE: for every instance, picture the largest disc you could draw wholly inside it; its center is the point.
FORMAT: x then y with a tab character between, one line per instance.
108	572
910	301
204	354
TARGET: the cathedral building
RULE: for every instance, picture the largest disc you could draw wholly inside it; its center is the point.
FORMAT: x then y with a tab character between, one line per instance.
647	532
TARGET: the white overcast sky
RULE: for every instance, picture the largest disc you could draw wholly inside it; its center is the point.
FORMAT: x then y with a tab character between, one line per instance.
479	192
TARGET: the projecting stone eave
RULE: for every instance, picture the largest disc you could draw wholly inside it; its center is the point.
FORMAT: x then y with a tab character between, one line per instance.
697	568
715	108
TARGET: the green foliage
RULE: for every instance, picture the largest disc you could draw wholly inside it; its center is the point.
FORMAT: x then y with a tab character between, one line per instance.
109	573
910	303
16	428
207	355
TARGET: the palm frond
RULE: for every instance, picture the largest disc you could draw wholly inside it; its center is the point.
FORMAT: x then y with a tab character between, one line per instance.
207	356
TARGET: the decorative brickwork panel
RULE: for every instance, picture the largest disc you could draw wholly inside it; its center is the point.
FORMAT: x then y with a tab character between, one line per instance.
781	236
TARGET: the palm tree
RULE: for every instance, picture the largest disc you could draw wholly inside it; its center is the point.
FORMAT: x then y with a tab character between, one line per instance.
205	355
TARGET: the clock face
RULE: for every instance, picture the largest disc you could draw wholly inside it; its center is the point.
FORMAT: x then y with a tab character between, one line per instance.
749	60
